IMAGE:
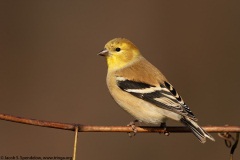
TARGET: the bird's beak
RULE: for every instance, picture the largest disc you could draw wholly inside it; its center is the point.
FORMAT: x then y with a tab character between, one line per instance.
104	52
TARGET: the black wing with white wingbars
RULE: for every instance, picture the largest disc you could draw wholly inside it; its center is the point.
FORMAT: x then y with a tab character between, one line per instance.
164	96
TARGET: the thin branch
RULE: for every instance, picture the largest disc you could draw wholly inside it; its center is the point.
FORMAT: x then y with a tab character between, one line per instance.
75	143
89	128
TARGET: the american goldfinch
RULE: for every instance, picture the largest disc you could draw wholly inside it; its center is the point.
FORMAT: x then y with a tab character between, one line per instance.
142	90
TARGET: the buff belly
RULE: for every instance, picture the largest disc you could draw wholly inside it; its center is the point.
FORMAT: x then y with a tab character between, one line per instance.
142	110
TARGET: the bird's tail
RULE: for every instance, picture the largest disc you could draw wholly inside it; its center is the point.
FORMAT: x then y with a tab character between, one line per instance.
197	130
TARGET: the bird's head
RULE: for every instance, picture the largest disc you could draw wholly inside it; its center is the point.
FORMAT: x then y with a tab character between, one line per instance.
120	52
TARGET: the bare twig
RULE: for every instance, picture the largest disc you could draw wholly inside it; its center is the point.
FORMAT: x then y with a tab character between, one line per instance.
89	128
234	146
75	143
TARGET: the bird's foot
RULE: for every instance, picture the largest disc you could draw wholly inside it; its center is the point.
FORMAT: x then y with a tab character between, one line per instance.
133	126
164	126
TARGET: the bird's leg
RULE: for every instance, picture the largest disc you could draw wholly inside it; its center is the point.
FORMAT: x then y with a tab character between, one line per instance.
133	126
164	126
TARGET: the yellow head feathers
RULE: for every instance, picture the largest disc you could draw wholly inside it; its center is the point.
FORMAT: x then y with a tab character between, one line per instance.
120	52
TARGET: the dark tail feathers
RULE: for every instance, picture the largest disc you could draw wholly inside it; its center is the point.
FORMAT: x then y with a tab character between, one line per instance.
197	130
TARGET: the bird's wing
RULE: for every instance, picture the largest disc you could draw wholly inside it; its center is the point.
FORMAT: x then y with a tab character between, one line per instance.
164	95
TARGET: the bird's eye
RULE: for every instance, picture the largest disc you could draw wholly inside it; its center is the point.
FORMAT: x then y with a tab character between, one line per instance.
118	49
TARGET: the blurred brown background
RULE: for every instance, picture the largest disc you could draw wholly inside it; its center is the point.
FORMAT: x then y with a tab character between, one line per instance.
49	70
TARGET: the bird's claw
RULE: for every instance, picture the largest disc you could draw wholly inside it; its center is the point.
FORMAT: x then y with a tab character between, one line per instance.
133	126
164	126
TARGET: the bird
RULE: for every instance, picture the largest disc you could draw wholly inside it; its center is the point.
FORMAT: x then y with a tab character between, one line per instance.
143	91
